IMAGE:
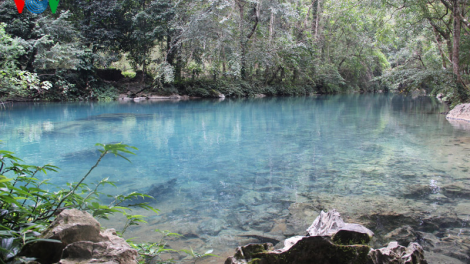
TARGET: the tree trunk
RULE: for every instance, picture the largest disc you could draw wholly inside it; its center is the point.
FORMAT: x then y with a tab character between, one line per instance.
271	26
244	39
439	45
456	40
316	12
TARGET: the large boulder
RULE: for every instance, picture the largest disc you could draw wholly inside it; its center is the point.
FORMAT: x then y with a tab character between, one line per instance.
80	241
460	112
114	250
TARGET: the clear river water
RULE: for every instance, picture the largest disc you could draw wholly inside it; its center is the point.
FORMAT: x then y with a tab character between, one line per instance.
237	171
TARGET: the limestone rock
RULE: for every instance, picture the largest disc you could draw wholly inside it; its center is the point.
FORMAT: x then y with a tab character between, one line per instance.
80	238
316	249
352	234
114	251
331	224
69	226
460	112
326	224
394	253
326	242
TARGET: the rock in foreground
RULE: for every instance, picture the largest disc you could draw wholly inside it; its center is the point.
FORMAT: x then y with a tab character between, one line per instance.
329	240
80	242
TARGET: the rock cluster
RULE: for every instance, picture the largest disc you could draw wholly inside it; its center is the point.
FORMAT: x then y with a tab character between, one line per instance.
81	241
329	240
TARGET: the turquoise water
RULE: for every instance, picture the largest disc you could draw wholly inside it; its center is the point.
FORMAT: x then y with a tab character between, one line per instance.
245	155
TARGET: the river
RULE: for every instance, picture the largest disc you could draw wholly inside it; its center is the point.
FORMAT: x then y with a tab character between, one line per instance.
253	170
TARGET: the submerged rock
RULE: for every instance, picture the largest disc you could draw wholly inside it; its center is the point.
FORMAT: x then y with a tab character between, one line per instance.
212	227
456	190
158	191
80	241
404	235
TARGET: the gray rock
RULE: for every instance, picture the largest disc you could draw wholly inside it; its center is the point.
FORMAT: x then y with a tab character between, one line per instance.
326	224
331	224
70	226
80	241
114	250
353	234
460	112
394	253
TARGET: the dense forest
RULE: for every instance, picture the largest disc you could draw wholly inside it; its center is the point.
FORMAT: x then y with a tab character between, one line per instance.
98	49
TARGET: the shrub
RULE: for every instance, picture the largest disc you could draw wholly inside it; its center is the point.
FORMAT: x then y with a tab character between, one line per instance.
27	206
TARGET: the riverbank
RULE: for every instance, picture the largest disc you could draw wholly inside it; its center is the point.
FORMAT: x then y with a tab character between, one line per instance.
109	85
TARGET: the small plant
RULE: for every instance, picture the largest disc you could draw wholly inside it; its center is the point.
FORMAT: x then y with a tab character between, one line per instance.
198	256
150	252
27	206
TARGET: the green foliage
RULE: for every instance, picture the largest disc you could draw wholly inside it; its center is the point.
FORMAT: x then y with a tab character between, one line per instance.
13	80
196	256
151	252
27	205
128	74
104	92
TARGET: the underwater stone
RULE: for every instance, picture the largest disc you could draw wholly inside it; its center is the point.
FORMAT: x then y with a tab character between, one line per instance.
456	190
211	227
158	191
403	235
250	198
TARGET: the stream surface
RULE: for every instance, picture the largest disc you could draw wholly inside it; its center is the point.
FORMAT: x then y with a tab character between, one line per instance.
259	170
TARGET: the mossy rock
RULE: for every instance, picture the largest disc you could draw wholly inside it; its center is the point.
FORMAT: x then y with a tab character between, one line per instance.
345	237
